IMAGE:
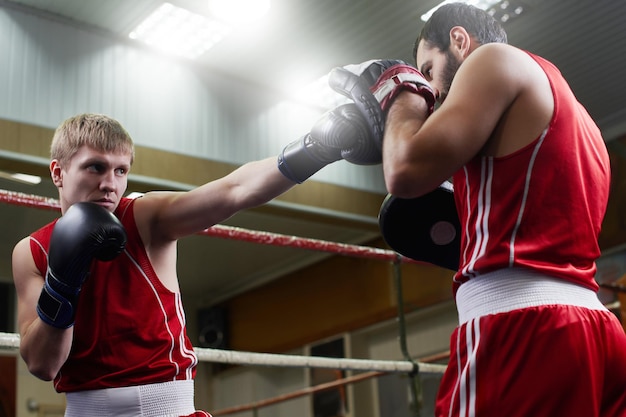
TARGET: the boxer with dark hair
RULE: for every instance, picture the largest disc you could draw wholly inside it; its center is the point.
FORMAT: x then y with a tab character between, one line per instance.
531	178
80	278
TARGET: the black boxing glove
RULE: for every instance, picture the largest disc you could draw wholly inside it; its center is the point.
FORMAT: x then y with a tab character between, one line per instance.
86	231
341	133
355	81
373	85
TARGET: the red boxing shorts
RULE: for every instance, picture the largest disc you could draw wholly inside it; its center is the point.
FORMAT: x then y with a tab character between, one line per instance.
537	357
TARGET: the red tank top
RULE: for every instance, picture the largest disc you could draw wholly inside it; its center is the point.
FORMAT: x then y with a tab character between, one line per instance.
130	329
542	206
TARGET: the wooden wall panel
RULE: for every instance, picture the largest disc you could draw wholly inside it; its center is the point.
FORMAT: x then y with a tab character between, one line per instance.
335	296
25	139
314	303
614	225
8	365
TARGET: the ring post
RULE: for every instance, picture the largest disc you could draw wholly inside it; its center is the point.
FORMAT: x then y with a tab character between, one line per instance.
414	382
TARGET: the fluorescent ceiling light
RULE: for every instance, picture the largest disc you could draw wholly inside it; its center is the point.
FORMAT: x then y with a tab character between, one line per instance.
178	31
481	4
21	178
239	11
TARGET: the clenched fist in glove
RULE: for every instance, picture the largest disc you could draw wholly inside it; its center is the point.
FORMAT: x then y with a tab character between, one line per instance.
341	133
373	85
86	231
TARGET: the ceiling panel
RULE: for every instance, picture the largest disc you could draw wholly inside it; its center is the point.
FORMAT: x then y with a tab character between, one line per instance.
303	39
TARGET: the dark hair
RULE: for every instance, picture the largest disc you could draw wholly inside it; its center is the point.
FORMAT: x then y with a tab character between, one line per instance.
477	22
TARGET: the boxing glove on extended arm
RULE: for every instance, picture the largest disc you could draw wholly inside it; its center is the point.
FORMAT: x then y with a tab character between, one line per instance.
86	231
373	85
341	133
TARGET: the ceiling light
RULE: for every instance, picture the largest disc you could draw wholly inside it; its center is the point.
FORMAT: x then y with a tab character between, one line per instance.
505	11
239	11
481	4
178	31
21	178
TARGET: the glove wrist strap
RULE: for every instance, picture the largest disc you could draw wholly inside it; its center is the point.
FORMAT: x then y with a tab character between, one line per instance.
297	162
56	309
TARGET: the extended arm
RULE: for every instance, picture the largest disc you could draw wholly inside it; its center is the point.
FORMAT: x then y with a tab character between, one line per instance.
168	216
341	133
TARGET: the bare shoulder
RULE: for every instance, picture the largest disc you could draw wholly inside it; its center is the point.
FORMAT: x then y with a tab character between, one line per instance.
494	76
499	53
521	96
151	211
21	252
23	264
149	204
500	60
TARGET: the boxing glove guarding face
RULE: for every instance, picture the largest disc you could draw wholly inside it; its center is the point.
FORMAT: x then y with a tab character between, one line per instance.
374	84
355	82
85	232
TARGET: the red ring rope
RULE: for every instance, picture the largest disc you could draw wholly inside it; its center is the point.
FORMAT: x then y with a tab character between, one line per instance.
236	233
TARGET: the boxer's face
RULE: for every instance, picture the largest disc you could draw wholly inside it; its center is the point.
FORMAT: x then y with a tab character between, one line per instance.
92	175
438	67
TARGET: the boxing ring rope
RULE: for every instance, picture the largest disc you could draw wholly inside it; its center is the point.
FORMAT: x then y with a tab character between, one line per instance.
237	233
375	367
322	387
617	288
11	341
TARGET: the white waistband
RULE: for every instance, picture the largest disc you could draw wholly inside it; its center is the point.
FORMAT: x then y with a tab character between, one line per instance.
514	288
167	399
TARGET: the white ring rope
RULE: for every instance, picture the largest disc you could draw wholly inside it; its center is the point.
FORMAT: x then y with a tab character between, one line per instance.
271	359
11	341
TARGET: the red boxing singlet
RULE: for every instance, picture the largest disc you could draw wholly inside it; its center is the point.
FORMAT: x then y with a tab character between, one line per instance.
129	329
508	205
529	315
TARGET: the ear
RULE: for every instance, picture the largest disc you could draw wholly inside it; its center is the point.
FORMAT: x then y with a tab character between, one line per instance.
55	173
460	41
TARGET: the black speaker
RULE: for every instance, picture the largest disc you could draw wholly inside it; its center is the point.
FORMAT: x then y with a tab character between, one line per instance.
7	307
213	328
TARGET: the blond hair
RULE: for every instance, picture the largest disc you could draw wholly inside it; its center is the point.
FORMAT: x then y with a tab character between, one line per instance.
95	130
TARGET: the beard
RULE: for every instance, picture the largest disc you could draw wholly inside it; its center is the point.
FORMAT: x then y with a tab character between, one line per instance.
449	71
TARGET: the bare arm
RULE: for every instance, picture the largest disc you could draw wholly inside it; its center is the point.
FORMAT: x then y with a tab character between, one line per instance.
168	216
419	155
44	348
